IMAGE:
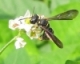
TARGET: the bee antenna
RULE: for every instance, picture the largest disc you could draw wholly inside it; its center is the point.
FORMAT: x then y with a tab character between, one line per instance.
33	11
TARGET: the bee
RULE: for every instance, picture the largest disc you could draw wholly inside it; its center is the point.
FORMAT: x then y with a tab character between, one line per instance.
45	26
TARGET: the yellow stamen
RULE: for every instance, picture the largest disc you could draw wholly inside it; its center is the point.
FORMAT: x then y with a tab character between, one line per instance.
27	21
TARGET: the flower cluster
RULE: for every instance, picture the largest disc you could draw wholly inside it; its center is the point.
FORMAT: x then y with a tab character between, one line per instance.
23	23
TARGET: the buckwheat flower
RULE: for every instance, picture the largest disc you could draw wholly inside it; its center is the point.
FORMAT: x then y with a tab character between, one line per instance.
28	27
15	23
34	33
20	43
21	22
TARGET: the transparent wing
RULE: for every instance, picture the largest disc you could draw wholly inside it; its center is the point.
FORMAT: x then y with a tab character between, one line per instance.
68	15
53	37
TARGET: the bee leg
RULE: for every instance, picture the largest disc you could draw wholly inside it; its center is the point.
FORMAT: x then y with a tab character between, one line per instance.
51	30
44	36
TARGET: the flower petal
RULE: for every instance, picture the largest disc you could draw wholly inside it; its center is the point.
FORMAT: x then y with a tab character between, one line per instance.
19	43
16	23
27	14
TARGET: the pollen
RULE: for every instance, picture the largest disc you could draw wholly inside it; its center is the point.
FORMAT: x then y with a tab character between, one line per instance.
27	21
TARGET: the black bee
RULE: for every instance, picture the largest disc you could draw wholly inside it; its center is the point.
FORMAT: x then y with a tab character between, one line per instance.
48	31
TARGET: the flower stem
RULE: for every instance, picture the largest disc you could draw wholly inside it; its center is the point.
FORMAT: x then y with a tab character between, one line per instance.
7	44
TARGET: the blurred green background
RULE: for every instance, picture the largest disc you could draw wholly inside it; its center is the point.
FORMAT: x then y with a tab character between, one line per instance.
33	53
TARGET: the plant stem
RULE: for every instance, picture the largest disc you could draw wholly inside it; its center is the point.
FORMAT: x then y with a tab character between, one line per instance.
7	44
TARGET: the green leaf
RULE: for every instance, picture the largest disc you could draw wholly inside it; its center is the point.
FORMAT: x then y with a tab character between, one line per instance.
18	57
72	62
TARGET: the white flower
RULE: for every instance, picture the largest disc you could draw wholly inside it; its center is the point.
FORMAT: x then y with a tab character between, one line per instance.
34	33
16	23
20	22
19	43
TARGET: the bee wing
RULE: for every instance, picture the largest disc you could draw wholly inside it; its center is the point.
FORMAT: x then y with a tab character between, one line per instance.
53	37
68	15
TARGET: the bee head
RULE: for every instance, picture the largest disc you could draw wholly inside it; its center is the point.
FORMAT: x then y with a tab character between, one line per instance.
34	19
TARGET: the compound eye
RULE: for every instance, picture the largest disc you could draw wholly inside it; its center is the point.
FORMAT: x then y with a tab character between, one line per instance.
34	19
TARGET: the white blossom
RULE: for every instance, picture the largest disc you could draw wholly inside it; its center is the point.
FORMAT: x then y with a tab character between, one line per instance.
19	22
23	22
20	43
13	24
